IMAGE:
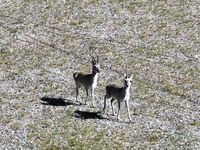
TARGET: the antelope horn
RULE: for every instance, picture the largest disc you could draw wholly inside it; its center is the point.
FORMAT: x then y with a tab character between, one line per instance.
97	58
93	58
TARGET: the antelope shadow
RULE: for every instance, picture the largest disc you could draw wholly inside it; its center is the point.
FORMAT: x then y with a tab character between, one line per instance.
89	115
56	101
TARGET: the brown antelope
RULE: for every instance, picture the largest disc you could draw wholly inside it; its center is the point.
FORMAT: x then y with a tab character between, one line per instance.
87	80
119	93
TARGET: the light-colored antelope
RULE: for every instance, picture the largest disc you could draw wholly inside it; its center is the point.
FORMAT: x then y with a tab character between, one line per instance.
87	80
119	93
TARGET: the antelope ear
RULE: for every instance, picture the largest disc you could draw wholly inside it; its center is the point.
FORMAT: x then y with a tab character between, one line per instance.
131	77
125	74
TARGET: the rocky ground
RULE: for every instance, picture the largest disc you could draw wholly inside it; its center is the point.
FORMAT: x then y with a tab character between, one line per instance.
44	42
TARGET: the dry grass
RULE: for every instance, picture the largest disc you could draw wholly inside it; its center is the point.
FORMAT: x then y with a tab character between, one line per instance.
43	42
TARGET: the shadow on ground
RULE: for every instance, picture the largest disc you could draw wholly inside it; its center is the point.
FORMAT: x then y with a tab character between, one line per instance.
89	115
56	101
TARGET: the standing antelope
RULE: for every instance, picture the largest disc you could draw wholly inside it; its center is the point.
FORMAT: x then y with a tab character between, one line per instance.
119	93
87	80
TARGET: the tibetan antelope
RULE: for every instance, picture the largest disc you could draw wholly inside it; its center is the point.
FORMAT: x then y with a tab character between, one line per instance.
87	80
119	93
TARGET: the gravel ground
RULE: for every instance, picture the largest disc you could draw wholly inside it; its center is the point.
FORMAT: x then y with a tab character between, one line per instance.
44	42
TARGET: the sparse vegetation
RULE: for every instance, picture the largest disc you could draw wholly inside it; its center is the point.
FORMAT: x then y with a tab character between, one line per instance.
42	43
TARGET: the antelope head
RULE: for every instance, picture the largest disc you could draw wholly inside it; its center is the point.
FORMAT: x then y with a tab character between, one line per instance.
95	64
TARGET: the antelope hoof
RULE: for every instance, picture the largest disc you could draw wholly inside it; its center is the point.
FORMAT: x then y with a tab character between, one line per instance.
77	100
114	114
118	119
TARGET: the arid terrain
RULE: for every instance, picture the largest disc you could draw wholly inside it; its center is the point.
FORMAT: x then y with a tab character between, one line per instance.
42	43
